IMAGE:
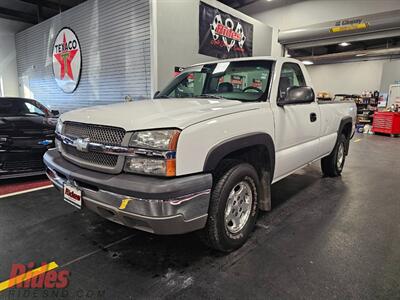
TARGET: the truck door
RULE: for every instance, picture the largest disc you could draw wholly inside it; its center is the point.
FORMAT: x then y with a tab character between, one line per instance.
297	126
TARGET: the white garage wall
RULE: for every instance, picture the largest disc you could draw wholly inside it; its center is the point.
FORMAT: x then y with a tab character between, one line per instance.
177	35
114	36
314	11
347	78
335	78
8	64
390	74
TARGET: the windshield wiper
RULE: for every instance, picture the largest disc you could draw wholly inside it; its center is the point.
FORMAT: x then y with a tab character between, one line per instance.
210	96
162	97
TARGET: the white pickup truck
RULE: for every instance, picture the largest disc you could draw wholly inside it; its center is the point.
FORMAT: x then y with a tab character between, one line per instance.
204	152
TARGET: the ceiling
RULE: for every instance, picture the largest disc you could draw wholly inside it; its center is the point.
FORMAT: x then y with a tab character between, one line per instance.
238	3
255	6
34	11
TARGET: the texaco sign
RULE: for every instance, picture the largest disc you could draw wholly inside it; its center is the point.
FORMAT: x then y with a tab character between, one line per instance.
67	59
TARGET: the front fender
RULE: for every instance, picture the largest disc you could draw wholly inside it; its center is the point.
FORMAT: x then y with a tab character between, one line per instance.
223	149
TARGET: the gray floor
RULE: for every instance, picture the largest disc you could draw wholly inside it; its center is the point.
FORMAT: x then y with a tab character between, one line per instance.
325	239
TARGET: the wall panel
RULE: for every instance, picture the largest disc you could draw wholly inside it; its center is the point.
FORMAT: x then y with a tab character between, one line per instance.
115	42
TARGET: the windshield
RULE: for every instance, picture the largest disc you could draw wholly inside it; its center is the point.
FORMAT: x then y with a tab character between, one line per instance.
239	80
21	107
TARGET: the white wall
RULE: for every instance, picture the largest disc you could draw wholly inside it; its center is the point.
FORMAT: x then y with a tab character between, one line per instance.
315	11
347	78
8	64
335	78
390	74
114	38
177	36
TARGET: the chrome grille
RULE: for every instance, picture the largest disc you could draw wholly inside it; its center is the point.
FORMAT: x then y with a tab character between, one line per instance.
99	134
98	159
106	135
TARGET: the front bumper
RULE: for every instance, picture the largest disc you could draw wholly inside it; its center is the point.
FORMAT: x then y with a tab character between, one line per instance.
157	205
21	163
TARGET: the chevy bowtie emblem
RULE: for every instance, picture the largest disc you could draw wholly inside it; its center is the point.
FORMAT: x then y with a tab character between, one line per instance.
82	144
45	142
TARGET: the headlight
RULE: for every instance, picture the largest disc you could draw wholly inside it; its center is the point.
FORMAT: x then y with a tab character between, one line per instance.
59	126
156	152
155	139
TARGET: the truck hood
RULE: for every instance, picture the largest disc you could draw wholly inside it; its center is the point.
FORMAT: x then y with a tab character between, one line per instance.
161	113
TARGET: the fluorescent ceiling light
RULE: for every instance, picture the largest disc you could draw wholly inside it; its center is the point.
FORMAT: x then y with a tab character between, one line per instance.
344	44
269	0
361	54
307	62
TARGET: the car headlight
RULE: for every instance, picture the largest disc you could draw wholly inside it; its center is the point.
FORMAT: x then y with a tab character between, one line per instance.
155	152
59	126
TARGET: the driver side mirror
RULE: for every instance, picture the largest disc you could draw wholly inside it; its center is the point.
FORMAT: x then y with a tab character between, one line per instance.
156	94
297	95
55	112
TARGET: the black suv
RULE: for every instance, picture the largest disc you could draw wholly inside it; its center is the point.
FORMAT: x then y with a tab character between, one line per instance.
26	132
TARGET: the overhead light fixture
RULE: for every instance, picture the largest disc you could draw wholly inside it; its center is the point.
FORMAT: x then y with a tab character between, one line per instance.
269	0
307	62
361	54
344	44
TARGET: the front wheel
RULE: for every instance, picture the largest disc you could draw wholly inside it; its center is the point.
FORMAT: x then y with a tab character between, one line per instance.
333	164
233	208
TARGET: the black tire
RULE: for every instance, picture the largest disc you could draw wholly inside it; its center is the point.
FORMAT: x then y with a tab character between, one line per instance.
217	234
330	165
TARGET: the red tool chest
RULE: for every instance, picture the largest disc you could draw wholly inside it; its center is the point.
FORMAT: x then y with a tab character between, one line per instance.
386	122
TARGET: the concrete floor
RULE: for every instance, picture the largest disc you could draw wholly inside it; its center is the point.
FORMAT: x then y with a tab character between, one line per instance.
325	238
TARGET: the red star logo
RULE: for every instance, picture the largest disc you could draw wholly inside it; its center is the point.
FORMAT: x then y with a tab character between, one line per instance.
65	58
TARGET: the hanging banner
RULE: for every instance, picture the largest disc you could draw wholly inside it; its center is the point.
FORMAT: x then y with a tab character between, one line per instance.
222	35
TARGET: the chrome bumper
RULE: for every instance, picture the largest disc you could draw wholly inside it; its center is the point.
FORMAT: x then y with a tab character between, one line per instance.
160	206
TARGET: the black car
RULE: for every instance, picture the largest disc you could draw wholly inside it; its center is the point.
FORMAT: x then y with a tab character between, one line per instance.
26	132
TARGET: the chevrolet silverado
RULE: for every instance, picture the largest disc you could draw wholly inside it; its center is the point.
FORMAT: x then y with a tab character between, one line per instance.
202	155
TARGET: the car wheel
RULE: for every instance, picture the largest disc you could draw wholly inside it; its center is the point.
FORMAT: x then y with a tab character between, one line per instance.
233	207
333	164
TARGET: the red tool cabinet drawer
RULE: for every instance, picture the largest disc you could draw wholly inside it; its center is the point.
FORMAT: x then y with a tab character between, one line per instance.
386	122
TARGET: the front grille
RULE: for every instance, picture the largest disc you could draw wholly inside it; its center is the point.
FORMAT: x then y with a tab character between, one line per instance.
106	135
94	158
23	165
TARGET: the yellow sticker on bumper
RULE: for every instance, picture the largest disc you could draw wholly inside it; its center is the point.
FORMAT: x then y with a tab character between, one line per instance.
124	203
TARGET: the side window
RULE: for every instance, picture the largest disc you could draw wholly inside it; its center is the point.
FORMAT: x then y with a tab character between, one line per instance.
291	75
33	109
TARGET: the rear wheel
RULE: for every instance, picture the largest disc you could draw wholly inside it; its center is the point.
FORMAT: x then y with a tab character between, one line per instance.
233	207
333	164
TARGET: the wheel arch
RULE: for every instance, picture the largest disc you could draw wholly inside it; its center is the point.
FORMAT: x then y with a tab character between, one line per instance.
243	142
345	127
257	149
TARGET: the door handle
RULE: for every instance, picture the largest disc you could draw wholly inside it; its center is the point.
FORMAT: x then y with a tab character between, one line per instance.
313	117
